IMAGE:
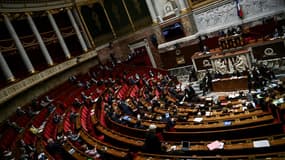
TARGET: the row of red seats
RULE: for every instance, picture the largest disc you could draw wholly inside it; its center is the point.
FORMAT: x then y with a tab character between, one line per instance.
122	92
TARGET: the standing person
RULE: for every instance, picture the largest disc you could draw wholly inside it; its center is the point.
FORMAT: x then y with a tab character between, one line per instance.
209	80
250	81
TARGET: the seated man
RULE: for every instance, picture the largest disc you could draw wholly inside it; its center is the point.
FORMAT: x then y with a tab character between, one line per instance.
73	136
205	49
76	103
152	142
20	111
31	112
91	152
15	126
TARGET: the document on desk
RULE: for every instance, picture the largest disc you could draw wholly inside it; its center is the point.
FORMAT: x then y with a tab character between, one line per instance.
198	119
227	123
215	145
71	151
261	143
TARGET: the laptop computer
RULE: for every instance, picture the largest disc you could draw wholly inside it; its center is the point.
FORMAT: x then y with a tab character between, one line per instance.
185	145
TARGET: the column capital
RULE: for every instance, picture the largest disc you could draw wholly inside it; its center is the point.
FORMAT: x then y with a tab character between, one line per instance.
53	11
68	8
6	15
185	11
28	13
154	22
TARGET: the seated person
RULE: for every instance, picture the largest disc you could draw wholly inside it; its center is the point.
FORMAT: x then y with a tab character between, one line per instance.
73	116
276	33
205	49
56	118
152	142
53	147
7	155
20	111
76	103
29	149
15	126
72	79
32	113
91	152
61	138
51	108
42	156
47	99
73	136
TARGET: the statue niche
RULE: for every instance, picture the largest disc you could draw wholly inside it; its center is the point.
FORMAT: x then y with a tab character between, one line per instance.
169	8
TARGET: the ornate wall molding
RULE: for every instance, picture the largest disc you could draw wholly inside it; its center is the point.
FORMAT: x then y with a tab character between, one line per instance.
224	15
13	90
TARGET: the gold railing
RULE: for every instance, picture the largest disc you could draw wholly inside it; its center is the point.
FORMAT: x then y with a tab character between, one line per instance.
32	5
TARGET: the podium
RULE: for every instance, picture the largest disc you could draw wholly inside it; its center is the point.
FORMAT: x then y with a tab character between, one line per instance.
227	63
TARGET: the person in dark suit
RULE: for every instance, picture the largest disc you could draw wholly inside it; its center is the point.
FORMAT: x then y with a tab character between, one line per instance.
152	143
209	80
189	93
250	81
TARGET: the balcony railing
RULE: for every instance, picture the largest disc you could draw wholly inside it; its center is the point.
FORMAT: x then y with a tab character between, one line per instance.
32	5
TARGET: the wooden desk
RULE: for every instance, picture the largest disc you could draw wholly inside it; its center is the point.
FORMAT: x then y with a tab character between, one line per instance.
241	132
230	84
120	137
271	156
104	147
76	153
220	124
125	129
231	116
228	152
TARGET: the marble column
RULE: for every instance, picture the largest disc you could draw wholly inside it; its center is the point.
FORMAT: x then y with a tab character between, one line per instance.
59	36
183	6
85	36
151	10
76	28
19	45
5	68
156	11
150	54
40	40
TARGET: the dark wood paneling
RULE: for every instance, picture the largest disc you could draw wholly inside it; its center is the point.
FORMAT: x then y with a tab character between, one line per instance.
169	58
277	46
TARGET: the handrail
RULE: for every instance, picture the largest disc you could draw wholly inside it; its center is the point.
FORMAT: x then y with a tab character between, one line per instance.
32	5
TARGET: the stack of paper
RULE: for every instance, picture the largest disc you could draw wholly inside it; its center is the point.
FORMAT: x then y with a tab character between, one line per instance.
215	145
261	143
198	119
